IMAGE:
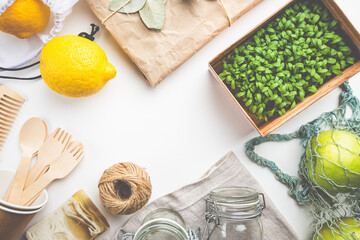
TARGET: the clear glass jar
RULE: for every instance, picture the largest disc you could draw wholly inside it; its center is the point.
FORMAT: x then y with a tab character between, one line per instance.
234	213
162	224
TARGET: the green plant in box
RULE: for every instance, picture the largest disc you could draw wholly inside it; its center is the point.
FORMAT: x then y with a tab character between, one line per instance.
287	60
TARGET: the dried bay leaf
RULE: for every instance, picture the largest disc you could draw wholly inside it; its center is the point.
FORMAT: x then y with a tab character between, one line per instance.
132	7
153	14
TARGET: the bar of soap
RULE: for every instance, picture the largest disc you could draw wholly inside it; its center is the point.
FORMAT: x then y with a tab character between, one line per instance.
77	219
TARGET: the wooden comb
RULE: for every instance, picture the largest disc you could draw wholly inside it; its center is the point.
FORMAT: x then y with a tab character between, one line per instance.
10	104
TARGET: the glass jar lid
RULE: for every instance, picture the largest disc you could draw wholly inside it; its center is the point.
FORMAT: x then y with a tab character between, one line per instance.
162	224
161	229
235	202
234	195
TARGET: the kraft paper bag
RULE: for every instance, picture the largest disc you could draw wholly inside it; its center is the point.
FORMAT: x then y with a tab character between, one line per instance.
189	25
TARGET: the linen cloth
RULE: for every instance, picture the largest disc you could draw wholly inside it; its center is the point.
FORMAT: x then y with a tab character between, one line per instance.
188	201
189	25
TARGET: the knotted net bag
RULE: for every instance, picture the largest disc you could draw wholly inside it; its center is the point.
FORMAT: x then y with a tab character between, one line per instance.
333	197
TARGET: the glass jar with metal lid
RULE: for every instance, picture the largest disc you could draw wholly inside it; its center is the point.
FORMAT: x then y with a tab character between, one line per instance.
234	213
163	224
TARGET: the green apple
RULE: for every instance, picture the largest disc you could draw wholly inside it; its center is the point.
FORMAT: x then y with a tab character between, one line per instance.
347	229
333	161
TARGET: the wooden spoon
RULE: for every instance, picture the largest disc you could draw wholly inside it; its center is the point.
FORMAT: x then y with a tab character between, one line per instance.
32	135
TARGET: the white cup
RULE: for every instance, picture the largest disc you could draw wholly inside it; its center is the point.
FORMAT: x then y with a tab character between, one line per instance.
5	180
14	218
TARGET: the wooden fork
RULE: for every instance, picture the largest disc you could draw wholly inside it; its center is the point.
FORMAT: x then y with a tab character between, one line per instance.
48	152
59	168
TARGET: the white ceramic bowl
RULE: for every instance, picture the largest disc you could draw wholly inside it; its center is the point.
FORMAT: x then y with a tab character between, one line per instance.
5	180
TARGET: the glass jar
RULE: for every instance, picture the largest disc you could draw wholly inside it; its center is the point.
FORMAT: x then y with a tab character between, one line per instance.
234	213
162	224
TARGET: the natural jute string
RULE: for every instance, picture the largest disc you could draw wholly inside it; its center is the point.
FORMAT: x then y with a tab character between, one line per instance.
124	188
226	12
113	13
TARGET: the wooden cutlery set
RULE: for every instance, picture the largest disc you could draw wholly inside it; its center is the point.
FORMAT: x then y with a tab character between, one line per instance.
44	159
56	155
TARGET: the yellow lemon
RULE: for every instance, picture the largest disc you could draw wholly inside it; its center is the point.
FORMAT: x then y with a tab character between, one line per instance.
24	18
333	160
75	66
347	229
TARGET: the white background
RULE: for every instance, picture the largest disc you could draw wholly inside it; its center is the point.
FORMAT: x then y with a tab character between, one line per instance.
176	131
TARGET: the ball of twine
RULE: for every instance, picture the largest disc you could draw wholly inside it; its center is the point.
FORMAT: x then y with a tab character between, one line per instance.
124	188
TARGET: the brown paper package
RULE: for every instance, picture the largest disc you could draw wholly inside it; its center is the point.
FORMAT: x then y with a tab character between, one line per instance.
189	25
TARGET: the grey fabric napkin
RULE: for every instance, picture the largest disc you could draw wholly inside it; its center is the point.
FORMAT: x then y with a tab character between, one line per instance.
188	200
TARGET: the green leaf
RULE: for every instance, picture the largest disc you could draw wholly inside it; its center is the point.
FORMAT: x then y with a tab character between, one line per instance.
299	65
253	109
320	70
132	7
153	14
283	110
333	23
271	113
233	84
274	85
260	69
312	89
345	49
283	104
273	97
301	94
248	103
350	60
337	72
258	97
278	100
293	105
240	94
316	18
329	35
317	76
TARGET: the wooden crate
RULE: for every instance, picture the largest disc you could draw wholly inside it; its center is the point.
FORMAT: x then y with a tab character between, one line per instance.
264	128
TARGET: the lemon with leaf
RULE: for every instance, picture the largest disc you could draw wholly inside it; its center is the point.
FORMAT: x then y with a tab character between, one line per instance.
75	66
333	161
25	18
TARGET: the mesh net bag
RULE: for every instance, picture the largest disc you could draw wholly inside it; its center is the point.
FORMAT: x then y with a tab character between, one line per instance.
16	52
329	169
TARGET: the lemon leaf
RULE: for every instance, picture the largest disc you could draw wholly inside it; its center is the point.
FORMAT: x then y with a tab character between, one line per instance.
153	14
132	7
